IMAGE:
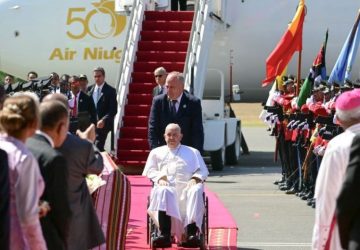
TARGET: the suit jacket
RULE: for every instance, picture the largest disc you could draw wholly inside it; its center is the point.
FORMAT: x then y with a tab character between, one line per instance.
86	106
188	116
4	201
106	106
55	225
156	90
82	159
348	202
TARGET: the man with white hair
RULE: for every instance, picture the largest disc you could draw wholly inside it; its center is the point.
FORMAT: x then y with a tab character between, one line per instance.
160	78
332	171
176	202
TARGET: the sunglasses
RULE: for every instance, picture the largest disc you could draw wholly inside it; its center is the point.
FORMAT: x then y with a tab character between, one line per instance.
158	76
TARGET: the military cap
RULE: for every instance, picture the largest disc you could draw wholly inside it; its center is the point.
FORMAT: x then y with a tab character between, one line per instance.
347	86
288	81
82	77
326	90
335	86
291	77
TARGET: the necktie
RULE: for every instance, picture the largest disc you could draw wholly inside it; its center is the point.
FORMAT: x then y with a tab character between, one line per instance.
74	111
173	107
98	94
161	90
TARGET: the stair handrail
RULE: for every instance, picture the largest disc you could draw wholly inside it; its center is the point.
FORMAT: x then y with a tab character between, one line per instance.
127	61
205	23
202	33
189	63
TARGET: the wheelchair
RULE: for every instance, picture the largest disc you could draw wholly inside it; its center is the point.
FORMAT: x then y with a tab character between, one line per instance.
153	231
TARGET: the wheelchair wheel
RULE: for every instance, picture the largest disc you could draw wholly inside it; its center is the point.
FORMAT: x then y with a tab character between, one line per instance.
204	237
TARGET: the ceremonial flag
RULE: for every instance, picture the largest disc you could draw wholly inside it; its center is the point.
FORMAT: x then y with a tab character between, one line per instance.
317	73
289	43
342	67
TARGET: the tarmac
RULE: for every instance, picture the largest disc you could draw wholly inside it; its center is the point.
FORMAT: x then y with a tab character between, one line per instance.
267	218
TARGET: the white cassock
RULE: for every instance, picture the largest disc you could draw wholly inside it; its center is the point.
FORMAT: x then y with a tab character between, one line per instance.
328	184
184	205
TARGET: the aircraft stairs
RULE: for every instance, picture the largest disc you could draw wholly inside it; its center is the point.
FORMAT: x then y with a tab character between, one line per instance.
163	42
178	41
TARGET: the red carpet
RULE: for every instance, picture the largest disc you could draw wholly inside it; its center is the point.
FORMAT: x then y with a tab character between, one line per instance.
164	42
222	227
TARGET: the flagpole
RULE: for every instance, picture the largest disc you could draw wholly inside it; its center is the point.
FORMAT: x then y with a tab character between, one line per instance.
298	74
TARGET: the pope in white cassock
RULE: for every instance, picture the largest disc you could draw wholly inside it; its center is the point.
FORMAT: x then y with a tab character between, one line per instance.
176	200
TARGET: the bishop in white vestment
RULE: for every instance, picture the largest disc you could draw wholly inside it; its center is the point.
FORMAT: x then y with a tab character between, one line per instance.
332	172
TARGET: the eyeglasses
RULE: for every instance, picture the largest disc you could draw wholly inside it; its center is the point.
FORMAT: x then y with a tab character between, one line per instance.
158	76
98	76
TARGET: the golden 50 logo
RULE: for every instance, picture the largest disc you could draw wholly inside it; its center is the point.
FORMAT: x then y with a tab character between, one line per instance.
101	22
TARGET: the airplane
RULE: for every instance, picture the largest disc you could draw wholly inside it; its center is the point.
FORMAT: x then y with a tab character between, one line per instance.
73	37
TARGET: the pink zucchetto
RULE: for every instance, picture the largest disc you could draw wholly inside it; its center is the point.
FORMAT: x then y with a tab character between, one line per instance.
348	100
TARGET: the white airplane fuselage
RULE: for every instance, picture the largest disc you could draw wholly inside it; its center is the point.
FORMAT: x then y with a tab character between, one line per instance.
73	37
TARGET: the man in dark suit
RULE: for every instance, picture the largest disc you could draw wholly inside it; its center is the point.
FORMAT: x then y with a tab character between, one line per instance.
82	158
82	106
348	202
177	106
53	167
4	201
55	83
160	78
104	97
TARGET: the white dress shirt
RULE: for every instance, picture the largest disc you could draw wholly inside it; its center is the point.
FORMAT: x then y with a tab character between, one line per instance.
97	93
72	101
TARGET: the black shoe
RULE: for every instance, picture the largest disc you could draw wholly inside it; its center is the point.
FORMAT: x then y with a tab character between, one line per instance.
293	190
278	182
192	241
161	241
310	201
284	187
302	194
306	196
313	205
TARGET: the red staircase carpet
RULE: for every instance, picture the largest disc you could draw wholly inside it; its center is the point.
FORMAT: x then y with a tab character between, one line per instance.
222	227
164	42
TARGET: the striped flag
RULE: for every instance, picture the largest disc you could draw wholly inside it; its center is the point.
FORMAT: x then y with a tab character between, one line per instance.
317	73
289	43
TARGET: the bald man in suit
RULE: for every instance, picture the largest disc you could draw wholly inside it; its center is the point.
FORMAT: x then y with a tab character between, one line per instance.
177	106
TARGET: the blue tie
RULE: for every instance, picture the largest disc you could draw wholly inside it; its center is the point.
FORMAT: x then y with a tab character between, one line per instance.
173	107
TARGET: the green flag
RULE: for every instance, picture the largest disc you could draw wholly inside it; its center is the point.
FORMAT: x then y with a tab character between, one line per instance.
317	71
